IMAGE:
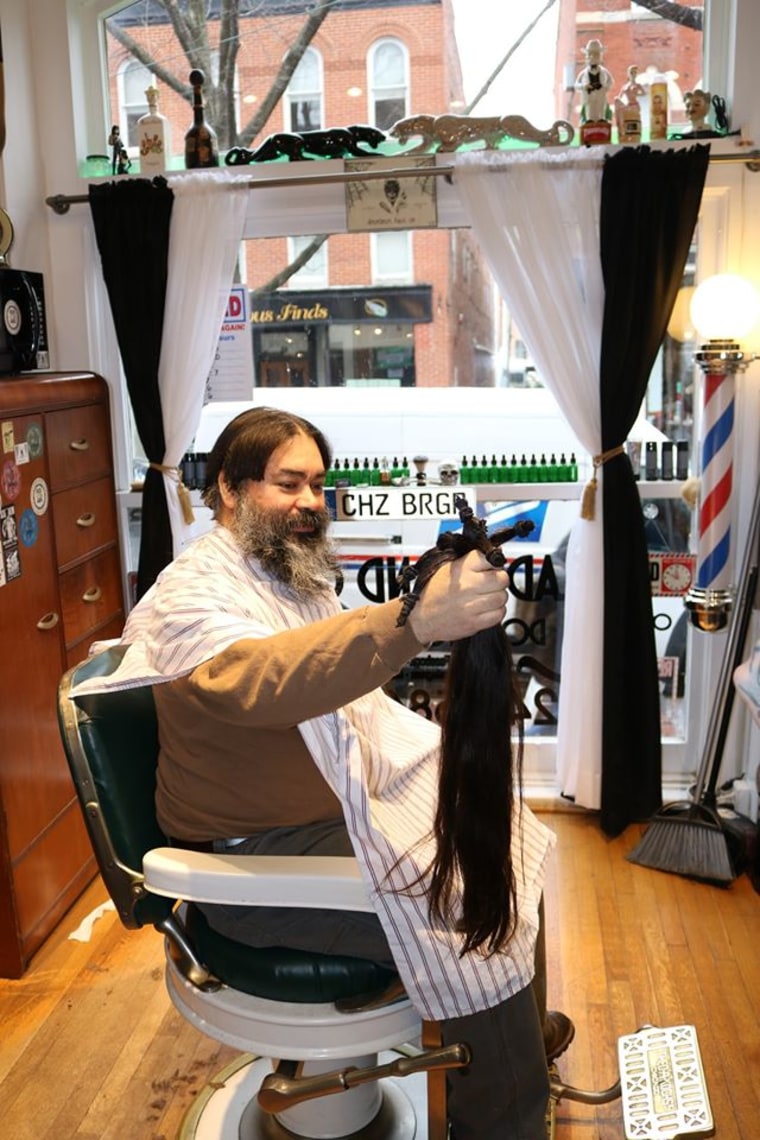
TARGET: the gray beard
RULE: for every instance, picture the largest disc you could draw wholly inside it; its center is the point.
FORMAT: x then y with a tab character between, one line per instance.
300	562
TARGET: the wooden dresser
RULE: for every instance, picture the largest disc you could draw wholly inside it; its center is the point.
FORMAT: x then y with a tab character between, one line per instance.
60	590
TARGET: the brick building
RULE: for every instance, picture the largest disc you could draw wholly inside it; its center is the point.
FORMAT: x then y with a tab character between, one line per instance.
398	308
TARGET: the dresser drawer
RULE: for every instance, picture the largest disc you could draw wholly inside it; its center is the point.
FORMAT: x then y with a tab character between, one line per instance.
110	632
90	594
78	445
85	520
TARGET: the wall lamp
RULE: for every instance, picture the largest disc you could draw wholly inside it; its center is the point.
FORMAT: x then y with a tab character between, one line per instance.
723	310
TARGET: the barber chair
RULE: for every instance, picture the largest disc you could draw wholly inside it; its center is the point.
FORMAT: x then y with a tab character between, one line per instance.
330	1046
326	1040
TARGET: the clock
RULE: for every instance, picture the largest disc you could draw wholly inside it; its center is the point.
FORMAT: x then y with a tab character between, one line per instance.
676	577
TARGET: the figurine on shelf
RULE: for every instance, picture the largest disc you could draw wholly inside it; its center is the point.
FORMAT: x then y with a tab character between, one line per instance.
115	143
697	105
336	142
593	82
446	133
628	108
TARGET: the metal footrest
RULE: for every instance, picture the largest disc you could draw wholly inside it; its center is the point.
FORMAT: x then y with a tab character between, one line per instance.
663	1084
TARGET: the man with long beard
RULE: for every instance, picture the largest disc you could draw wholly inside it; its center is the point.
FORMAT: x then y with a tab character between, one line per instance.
277	738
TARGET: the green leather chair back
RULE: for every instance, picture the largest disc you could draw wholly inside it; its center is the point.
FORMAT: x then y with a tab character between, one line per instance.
111	744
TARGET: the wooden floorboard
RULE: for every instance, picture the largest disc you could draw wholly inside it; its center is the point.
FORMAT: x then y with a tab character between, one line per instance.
91	1048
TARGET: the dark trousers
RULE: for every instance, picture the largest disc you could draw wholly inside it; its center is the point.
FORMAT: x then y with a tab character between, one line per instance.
503	1093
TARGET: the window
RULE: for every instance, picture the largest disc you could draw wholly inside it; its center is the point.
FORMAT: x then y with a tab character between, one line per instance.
134	79
392	257
314	272
303	98
388	83
346	351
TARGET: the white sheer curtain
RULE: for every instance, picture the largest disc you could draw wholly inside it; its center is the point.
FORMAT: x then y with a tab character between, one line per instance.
206	230
536	216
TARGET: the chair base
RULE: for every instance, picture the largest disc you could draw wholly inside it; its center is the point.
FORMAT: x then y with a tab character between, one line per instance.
226	1108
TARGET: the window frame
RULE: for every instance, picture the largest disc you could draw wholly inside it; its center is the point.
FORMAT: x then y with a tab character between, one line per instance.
80	322
372	86
318	94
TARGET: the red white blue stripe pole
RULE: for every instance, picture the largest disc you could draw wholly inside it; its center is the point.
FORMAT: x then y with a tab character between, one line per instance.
723	307
714	544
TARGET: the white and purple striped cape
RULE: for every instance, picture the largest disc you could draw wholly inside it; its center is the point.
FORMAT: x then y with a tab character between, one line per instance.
379	758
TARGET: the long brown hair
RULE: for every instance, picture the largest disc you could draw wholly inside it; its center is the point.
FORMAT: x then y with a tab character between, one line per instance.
480	776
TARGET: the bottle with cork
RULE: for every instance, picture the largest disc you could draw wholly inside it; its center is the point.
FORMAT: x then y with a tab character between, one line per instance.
153	137
201	146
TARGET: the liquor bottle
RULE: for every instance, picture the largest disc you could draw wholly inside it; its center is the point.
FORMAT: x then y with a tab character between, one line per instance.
201	147
153	137
682	459
666	451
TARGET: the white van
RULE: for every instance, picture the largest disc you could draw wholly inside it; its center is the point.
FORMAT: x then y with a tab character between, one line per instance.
380	530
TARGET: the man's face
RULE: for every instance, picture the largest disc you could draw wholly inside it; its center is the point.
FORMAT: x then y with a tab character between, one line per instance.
281	520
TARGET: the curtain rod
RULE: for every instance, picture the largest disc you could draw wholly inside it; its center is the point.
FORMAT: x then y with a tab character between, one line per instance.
60	203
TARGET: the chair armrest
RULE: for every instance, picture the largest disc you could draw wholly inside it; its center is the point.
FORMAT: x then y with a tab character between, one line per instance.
324	882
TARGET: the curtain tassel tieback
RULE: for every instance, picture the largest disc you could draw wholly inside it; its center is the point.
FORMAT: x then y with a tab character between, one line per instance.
588	498
183	494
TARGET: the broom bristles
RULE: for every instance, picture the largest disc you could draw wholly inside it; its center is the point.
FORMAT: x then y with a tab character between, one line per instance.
685	845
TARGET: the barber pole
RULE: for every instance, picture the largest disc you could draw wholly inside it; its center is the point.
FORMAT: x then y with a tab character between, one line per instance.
711	598
714	547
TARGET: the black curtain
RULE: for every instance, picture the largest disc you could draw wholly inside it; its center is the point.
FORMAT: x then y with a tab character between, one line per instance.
132	220
650	203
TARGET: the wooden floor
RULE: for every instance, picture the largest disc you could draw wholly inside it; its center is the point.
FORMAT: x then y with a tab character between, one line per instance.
90	1048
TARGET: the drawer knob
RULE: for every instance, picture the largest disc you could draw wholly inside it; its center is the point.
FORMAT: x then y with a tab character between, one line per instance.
79	445
87	519
49	621
94	594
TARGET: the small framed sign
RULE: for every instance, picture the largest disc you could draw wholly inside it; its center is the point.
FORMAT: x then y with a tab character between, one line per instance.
403	202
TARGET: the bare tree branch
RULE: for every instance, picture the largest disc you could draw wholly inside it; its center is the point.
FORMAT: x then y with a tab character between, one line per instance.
682	14
293	57
297	263
502	64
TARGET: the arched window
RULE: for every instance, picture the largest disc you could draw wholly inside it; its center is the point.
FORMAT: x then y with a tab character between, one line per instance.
303	98
388	69
133	81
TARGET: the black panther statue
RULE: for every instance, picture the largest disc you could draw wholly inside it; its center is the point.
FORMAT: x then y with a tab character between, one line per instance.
338	142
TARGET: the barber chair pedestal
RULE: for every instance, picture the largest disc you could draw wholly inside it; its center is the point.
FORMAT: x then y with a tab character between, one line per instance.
227	1109
320	1040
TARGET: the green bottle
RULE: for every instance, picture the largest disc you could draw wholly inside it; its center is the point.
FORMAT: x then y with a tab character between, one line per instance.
464	470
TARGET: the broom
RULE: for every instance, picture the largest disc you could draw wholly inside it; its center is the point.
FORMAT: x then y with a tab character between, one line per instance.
690	838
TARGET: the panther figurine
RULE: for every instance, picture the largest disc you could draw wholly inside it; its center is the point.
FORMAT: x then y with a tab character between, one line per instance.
338	142
447	132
